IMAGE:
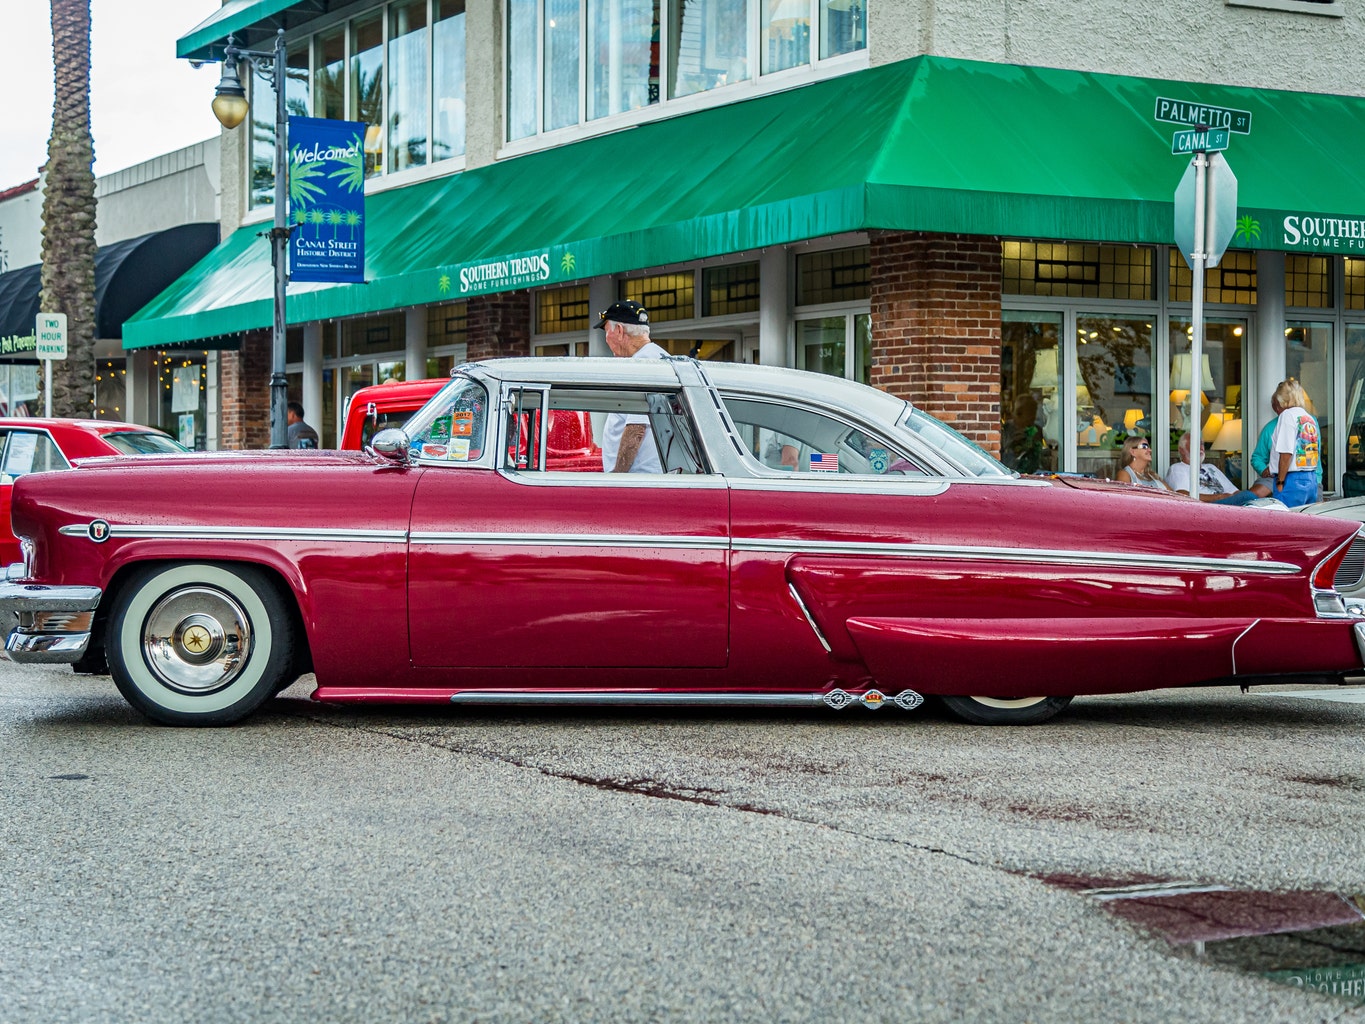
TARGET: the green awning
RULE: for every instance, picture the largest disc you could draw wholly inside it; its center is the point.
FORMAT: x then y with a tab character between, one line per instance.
930	144
253	23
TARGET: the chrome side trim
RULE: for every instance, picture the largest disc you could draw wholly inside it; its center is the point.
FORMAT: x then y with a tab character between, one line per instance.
568	478
1124	559
185	532
1237	640
837	699
791	587
813	483
572	540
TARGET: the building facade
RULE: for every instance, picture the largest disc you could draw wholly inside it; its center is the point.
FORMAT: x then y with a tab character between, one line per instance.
968	204
154	221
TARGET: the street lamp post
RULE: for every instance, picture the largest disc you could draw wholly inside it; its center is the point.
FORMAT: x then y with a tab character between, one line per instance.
230	107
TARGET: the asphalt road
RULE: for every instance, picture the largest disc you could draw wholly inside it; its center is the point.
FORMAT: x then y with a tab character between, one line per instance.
321	864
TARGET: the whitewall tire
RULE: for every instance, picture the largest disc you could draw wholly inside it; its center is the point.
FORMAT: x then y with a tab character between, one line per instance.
198	644
1005	711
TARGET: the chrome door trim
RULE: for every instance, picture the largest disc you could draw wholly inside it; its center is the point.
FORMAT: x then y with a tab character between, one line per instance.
1032	556
573	540
291	533
906	700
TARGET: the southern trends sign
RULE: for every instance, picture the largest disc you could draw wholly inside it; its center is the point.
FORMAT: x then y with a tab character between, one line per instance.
326	200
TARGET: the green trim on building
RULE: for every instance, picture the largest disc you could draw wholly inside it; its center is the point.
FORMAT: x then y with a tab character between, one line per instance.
929	144
206	40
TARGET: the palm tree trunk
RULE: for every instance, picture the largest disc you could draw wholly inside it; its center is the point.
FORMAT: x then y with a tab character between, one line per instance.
68	276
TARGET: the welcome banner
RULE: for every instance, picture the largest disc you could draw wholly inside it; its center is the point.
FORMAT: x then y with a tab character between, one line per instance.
326	200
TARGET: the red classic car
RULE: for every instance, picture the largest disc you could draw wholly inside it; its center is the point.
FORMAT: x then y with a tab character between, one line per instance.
40	444
569	446
806	541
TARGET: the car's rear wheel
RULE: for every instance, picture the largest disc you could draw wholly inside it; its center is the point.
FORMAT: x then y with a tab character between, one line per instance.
1005	711
199	644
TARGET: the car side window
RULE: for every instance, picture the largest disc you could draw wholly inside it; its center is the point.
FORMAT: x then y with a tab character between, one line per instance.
585	428
28	451
453	426
797	439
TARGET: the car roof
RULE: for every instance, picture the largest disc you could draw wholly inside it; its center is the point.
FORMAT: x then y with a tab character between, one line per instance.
88	426
402	393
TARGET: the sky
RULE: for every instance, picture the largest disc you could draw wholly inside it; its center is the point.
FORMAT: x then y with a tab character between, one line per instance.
143	100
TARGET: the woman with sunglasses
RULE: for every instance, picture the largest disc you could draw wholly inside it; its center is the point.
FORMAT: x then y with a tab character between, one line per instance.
1135	465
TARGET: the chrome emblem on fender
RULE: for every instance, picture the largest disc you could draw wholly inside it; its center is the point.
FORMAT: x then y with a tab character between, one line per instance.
98	531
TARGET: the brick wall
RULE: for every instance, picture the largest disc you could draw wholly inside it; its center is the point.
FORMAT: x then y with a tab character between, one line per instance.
499	325
936	326
244	397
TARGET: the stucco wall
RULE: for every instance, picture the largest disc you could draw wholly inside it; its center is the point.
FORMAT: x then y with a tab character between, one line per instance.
1195	40
177	188
21	230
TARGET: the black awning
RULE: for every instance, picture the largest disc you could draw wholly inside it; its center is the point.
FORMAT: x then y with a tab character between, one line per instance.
128	275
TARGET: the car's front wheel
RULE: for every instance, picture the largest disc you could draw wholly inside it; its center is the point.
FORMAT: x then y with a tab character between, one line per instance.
198	644
1000	711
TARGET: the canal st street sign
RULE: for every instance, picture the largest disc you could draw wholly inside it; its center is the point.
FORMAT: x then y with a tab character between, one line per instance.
1183	112
1211	140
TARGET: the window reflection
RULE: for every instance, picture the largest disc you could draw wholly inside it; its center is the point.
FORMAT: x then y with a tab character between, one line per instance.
523	55
367	86
447	77
409	104
843	26
786	34
1308	358
1220	418
262	192
623	55
561	63
710	44
1028	391
329	80
1353	482
1113	384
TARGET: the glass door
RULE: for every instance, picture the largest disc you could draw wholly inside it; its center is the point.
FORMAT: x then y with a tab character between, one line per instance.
1112	378
1030	420
1221	378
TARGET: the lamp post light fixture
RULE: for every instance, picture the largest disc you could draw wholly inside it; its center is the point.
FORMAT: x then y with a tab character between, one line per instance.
231	108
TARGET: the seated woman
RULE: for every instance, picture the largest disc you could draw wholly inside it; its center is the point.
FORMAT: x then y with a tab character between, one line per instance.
1135	465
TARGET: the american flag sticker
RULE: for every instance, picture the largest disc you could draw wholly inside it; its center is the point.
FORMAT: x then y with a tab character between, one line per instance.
824	462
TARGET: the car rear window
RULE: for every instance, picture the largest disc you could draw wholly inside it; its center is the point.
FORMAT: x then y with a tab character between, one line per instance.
145	442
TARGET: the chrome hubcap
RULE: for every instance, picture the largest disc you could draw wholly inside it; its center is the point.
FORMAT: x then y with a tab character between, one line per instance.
196	639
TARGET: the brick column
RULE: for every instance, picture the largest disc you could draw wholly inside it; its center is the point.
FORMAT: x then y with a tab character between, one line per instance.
936	326
244	394
499	325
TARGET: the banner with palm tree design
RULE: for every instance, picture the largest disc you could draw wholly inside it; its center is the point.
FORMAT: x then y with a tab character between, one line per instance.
326	200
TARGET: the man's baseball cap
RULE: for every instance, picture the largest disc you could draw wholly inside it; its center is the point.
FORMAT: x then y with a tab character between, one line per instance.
625	312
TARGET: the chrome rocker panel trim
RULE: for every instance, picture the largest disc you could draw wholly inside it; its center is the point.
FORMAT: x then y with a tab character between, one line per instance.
907	700
54	622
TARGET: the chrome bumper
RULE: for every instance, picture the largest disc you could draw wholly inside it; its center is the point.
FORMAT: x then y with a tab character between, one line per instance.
53	622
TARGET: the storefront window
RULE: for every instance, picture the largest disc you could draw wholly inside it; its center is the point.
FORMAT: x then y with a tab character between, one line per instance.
731	288
1308	358
18	389
1355	283
561	63
182	383
665	296
836	275
523	58
447	76
562	309
786	34
843	27
1029	346
409	102
262	116
1232	282
820	345
367	86
1308	281
373	335
710	44
1220	380
1078	271
1113	374
1353	481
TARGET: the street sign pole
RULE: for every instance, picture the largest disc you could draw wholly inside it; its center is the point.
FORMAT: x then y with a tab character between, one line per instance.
1197	260
50	336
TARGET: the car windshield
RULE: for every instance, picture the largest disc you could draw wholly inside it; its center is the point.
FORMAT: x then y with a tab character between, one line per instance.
967	454
143	442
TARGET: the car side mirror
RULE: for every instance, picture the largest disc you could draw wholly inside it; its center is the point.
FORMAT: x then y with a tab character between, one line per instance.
391	444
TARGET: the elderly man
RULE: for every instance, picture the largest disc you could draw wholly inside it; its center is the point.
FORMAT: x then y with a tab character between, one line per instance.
1214	486
627	443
